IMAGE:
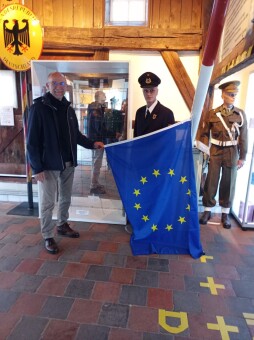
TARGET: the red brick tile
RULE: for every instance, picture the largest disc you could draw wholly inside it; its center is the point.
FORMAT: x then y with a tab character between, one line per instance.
53	286
29	304
124	334
106	291
99	228
7	323
121	238
93	257
30	239
109	247
213	304
180	268
85	311
10	249
122	275
58	329
8	279
29	266
75	270
136	262
143	319
160	298
169	281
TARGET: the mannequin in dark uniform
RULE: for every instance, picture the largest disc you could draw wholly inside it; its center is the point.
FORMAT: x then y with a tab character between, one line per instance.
159	116
225	128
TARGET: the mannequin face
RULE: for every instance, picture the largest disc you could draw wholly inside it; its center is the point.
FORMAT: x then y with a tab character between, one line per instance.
228	98
56	85
150	95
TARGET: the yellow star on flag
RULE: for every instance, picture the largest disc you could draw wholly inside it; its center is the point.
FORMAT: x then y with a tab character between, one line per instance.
136	192
171	172
137	206
169	227
143	180
145	218
188	192
154	227
156	173
188	207
183	179
181	219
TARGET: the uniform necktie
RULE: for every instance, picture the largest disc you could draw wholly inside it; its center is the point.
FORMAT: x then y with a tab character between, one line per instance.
147	113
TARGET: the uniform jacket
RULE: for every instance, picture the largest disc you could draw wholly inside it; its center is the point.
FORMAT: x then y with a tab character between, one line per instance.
43	144
161	117
213	128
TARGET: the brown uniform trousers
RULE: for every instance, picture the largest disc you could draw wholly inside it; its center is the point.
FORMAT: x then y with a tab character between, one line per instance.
222	169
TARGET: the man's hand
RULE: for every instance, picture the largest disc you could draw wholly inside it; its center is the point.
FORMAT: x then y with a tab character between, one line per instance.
240	164
40	176
98	145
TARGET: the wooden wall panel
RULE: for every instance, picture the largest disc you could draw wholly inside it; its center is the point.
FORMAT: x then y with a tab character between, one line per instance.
165	13
57	7
175	14
68	13
78	17
99	10
154	13
88	14
48	13
196	17
186	13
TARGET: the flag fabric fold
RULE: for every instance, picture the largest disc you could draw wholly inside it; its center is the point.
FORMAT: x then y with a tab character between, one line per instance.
155	178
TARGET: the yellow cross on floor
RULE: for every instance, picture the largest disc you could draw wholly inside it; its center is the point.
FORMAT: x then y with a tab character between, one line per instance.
223	328
212	285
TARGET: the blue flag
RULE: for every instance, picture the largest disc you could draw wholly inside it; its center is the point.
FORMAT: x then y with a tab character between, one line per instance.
155	178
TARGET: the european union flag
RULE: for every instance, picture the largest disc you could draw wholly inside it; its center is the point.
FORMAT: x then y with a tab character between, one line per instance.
155	178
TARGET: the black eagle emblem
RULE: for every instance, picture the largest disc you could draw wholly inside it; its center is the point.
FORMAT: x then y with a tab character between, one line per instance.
16	37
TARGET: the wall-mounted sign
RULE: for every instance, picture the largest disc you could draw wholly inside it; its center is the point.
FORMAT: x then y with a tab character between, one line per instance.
22	37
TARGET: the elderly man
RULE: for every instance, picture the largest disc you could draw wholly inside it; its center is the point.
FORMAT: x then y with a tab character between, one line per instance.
153	116
225	128
53	135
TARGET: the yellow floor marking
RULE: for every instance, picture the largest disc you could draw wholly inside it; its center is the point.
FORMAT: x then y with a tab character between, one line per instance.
223	328
212	285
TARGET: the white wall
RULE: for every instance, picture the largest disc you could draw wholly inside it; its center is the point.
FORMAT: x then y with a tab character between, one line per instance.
169	94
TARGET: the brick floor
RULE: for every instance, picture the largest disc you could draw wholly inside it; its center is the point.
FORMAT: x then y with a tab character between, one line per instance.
95	289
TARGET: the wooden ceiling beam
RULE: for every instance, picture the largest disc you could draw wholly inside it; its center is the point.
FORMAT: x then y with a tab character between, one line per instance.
125	39
180	76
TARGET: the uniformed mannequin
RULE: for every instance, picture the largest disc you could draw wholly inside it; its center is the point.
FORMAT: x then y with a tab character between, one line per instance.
159	116
225	129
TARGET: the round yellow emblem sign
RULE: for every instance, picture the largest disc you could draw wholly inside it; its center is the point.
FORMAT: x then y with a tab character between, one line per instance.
21	37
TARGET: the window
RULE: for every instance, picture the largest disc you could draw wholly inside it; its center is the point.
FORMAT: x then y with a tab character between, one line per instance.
126	12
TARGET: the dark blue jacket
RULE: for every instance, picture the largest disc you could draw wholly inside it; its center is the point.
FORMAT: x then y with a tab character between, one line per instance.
160	118
43	146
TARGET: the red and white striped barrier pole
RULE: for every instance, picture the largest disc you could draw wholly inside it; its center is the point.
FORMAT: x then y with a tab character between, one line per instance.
212	44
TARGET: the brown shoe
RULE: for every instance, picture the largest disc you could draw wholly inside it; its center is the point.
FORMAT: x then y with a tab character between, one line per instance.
65	230
205	217
51	246
225	221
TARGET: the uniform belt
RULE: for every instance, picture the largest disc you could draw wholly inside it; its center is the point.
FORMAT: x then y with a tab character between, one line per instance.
68	164
221	143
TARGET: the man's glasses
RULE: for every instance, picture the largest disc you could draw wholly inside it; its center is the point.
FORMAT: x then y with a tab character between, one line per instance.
56	83
230	94
149	90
